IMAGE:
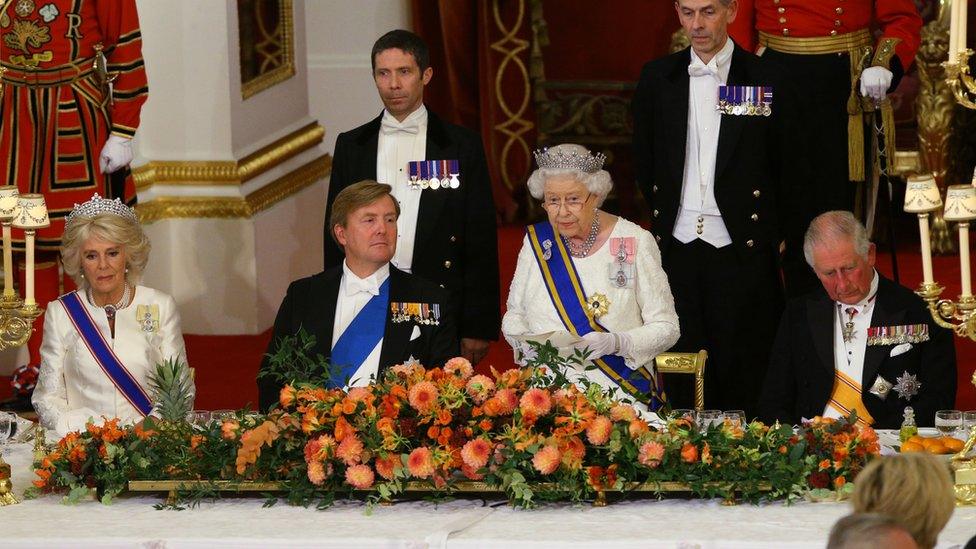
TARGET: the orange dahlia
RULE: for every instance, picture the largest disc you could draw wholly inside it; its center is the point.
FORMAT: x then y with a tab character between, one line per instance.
535	402
650	454
459	366
387	466
479	387
507	400
475	453
547	459
623	412
360	477
350	450
689	453
598	431
423	396
317	472
421	463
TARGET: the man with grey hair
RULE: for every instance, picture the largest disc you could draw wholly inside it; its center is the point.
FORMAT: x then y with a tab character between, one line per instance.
719	173
869	531
864	344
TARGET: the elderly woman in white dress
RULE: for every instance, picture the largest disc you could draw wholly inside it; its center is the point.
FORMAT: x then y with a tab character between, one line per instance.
102	341
591	274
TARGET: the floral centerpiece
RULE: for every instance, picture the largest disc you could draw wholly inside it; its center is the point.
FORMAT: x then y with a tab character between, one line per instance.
528	432
840	448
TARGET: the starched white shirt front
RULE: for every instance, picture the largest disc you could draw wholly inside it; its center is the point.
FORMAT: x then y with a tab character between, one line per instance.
849	355
395	149
354	293
701	148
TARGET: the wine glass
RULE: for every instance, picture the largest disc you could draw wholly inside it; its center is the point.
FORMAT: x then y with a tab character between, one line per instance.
948	421
968	422
707	418
684	413
199	419
736	417
7	423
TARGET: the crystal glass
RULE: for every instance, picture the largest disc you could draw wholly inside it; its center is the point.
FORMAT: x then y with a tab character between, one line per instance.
198	418
8	423
221	416
968	421
735	417
707	418
684	413
948	421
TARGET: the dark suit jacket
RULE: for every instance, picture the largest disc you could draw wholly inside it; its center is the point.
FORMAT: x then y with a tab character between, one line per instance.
311	302
801	371
757	163
456	241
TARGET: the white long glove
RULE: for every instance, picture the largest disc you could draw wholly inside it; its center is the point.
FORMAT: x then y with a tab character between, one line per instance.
875	82
116	154
605	343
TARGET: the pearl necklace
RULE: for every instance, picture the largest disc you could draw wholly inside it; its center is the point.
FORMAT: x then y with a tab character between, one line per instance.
582	250
111	308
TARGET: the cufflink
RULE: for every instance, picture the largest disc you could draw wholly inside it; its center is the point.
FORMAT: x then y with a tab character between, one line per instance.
881	388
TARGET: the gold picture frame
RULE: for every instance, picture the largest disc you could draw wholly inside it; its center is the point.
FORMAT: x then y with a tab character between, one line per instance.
267	44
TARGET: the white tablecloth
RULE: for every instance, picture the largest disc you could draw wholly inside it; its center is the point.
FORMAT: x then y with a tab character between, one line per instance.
241	522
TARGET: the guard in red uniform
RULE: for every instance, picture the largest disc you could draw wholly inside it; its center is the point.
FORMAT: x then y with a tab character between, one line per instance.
72	84
843	71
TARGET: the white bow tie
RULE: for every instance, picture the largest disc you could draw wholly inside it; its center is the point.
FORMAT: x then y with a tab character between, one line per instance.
357	285
696	70
391	126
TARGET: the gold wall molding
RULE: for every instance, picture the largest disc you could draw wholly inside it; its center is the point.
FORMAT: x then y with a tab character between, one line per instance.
228	207
228	172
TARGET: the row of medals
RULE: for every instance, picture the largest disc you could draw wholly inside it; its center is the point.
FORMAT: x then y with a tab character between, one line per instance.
434	183
750	109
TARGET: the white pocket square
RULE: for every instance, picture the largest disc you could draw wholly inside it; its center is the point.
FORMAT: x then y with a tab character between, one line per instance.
416	332
900	349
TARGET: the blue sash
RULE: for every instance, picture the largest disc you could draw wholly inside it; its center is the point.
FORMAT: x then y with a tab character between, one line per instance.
361	336
103	354
569	299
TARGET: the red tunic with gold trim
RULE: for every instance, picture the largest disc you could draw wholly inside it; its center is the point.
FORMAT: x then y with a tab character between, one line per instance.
55	116
897	19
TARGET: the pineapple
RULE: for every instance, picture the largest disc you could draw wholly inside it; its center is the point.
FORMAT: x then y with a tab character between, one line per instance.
172	390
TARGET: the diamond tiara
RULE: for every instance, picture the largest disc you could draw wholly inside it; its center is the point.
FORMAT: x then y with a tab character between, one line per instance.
589	163
98	205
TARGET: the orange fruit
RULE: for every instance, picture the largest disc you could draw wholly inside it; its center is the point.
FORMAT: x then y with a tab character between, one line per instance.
917	439
936	448
952	444
926	442
910	446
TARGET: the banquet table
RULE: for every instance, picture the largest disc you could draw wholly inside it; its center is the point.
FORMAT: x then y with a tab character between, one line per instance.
132	521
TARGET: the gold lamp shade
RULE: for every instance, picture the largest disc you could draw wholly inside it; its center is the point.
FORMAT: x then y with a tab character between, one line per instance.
922	194
32	212
960	203
9	196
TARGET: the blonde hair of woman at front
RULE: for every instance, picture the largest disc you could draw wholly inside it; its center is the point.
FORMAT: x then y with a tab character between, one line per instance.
110	228
915	489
